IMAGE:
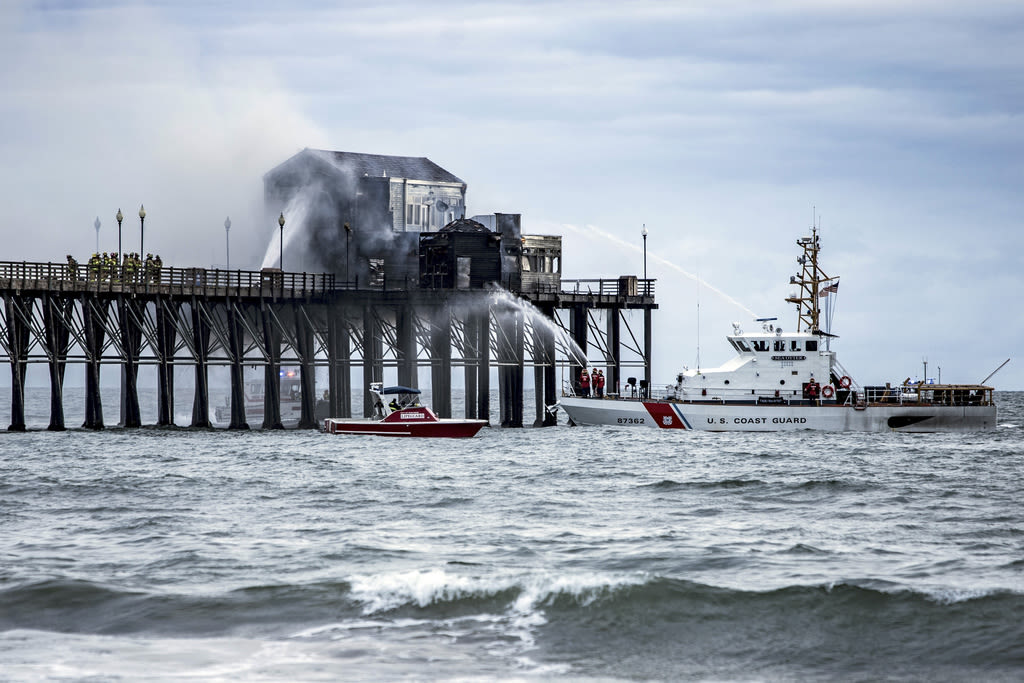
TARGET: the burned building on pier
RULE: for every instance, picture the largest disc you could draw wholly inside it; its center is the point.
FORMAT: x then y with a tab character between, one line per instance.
400	222
361	215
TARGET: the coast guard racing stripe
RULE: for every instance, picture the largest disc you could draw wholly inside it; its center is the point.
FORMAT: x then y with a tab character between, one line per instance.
667	416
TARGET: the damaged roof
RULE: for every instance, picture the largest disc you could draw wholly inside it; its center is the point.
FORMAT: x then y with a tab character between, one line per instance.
378	165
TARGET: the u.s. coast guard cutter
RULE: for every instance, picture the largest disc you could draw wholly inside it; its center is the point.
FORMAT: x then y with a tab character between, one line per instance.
792	380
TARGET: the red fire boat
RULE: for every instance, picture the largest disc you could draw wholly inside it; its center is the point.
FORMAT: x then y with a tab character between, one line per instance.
402	416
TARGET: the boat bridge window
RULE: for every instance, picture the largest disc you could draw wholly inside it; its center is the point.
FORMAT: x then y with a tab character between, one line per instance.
761	345
794	345
743	346
812	345
734	345
780	345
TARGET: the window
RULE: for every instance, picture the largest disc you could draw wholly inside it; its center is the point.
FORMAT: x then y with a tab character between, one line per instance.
811	345
415	214
794	345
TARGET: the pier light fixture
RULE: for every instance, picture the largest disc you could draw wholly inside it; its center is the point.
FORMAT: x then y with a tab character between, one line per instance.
142	229
96	224
227	242
348	258
280	252
119	217
644	233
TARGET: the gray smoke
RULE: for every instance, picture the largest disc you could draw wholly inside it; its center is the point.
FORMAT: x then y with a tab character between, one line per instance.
317	204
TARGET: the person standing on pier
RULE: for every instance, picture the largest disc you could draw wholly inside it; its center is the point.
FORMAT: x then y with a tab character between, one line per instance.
129	267
72	267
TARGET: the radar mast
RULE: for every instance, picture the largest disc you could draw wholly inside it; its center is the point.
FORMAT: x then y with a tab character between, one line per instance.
812	281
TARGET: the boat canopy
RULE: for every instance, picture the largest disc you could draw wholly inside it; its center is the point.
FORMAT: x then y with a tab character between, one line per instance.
399	390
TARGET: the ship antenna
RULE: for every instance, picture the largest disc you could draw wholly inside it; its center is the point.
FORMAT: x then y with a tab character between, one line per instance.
698	321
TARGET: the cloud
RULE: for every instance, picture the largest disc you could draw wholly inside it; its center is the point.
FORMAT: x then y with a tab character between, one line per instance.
116	107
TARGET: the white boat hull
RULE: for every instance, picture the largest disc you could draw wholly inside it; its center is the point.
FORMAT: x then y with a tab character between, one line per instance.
724	417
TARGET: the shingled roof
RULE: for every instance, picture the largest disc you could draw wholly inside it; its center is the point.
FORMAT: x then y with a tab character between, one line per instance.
377	165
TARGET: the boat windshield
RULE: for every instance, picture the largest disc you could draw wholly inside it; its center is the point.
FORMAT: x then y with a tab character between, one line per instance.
400	397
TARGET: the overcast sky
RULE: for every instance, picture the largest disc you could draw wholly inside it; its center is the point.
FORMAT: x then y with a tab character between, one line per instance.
720	125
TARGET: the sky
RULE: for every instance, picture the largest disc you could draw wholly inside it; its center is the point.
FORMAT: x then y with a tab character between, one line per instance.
724	127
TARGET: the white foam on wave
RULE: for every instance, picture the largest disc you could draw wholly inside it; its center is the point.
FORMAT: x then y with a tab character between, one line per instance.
382	592
940	594
947	595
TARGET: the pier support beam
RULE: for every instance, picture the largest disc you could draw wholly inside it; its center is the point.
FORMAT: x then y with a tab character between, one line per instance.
57	314
339	363
307	372
235	351
201	344
405	326
578	332
614	355
167	313
441	360
471	362
19	312
544	367
373	352
647	349
94	313
272	370
131	343
483	328
510	367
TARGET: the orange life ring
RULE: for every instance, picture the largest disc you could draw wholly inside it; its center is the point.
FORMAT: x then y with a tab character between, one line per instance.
844	382
827	391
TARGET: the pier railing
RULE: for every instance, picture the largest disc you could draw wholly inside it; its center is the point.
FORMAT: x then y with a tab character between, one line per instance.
126	278
620	286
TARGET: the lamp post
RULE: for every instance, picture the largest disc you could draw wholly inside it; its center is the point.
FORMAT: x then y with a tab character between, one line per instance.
280	253
644	233
348	257
227	241
96	225
142	230
119	217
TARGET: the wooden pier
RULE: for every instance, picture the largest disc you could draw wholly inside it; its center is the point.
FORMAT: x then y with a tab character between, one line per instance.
206	317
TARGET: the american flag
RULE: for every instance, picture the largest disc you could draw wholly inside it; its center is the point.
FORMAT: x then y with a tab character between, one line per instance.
831	289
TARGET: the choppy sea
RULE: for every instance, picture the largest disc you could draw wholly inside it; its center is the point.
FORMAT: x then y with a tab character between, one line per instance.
535	554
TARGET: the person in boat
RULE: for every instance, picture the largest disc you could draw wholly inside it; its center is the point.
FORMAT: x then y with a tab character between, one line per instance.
393	405
585	383
812	390
599	384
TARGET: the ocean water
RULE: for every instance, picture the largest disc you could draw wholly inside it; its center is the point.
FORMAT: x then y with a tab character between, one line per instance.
535	554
